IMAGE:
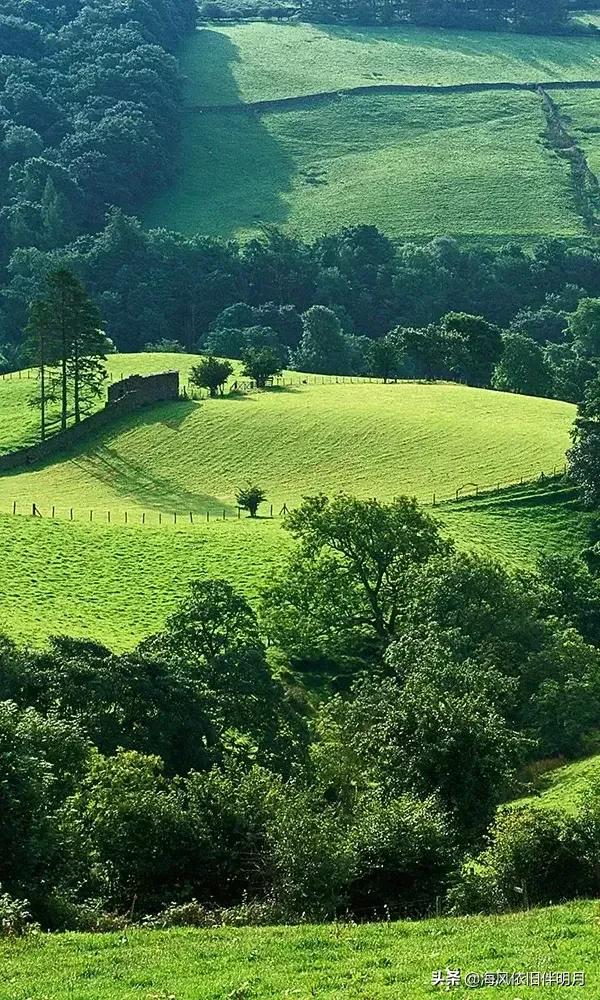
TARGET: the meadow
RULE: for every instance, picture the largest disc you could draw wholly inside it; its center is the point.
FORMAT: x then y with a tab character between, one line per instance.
564	787
116	582
413	165
581	111
382	961
369	439
259	61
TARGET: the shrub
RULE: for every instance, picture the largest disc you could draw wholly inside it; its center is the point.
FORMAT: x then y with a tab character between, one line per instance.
15	918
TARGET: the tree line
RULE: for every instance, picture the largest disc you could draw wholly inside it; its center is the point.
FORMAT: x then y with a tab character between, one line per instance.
532	16
352	302
355	763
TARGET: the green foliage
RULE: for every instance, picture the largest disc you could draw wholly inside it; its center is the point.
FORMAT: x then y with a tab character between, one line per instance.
522	367
211	374
260	364
250	498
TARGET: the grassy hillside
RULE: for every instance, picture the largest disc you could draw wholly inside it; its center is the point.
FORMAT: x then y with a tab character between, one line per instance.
117	583
248	62
581	110
369	439
335	962
563	788
414	165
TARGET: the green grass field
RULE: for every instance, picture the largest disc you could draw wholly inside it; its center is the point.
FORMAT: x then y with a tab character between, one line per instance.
581	109
117	582
369	439
413	165
258	61
385	961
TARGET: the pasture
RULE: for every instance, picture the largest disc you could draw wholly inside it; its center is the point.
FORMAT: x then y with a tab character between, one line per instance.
116	582
382	961
259	61
581	111
416	166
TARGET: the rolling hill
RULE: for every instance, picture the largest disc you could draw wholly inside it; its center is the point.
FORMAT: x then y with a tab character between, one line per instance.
117	581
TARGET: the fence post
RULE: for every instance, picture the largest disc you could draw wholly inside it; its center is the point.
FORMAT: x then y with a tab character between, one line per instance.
71	514
143	517
160	517
53	512
174	517
108	516
223	513
271	510
207	516
239	510
14	506
125	517
91	514
191	518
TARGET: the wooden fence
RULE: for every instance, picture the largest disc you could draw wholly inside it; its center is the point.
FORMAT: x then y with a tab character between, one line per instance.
268	511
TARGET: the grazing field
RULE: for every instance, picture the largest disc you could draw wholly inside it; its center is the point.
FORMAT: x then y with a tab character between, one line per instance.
466	165
258	61
116	583
581	110
368	439
335	962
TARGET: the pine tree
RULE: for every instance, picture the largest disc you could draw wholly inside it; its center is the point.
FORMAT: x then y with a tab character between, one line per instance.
68	344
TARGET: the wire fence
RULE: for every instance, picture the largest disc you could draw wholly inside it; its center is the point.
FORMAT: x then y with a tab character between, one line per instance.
215	514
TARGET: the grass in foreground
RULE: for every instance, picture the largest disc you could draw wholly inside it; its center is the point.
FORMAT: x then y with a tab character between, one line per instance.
258	61
415	166
367	962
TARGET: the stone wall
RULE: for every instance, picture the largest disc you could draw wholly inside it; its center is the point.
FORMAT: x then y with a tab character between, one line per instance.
141	390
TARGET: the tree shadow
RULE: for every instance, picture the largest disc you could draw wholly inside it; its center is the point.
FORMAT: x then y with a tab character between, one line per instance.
233	171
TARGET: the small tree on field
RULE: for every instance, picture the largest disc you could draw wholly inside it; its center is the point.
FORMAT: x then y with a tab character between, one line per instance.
249	498
260	364
211	374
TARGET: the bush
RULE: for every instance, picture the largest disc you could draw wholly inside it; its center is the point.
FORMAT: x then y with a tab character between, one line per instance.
529	860
15	918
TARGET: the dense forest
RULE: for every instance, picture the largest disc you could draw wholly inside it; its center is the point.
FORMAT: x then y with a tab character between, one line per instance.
89	112
387	309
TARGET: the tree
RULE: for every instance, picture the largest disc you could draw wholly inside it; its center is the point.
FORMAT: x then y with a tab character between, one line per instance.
323	347
64	331
260	364
341	595
385	357
40	348
522	367
584	455
584	328
250	498
471	345
211	374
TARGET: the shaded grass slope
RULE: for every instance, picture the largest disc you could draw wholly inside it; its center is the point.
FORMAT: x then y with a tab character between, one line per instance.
467	165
